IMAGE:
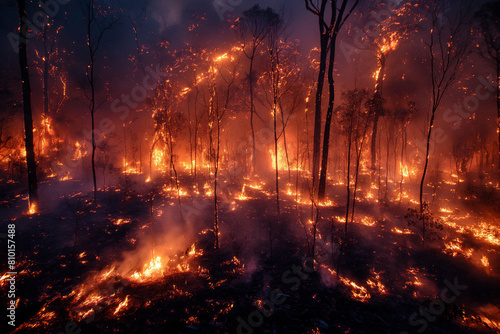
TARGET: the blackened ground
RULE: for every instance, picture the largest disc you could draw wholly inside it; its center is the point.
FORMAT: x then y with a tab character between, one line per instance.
221	298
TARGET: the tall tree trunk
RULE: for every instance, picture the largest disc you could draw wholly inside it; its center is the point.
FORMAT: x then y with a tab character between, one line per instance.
348	187
45	89
422	181
317	111
45	74
252	111
328	122
276	163
28	118
378	93
402	163
498	105
359	151
92	89
275	83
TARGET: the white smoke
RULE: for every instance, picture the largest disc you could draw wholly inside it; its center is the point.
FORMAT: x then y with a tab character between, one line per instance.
167	13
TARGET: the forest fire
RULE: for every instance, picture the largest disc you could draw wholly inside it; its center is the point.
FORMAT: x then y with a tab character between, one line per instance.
220	167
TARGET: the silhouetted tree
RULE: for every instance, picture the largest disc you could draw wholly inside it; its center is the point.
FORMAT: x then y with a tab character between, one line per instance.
28	118
255	25
96	28
489	17
448	45
329	30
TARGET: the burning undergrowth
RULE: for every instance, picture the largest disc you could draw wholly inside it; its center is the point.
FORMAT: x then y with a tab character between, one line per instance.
154	266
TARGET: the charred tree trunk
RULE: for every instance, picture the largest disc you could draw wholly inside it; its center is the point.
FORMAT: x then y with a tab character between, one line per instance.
378	111
498	105
176	177
28	117
328	121
317	111
45	74
402	162
275	84
216	200
328	36
252	111
276	164
373	145
445	56
90	76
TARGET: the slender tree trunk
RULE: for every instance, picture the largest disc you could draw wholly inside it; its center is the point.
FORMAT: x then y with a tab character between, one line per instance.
285	146
196	136
498	105
373	145
328	122
317	112
359	152
402	162
387	155
28	118
216	172
348	181
92	89
252	111
348	188
427	154
45	74
190	140
45	90
378	92
276	165
274	79
176	177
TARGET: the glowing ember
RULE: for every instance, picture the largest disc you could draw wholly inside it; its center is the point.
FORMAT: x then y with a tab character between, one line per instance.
367	221
121	221
484	261
358	292
445	210
399	231
121	305
33	208
151	271
454	248
375	283
416	276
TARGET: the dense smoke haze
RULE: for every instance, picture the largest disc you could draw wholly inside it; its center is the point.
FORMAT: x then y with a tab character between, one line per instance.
240	166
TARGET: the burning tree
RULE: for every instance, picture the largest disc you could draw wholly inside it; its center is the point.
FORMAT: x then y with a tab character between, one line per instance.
28	118
356	117
448	45
489	18
204	242
255	25
394	29
97	26
403	117
169	121
329	30
222	84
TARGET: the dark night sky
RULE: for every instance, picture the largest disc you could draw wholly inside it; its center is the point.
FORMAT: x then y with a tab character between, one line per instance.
160	20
